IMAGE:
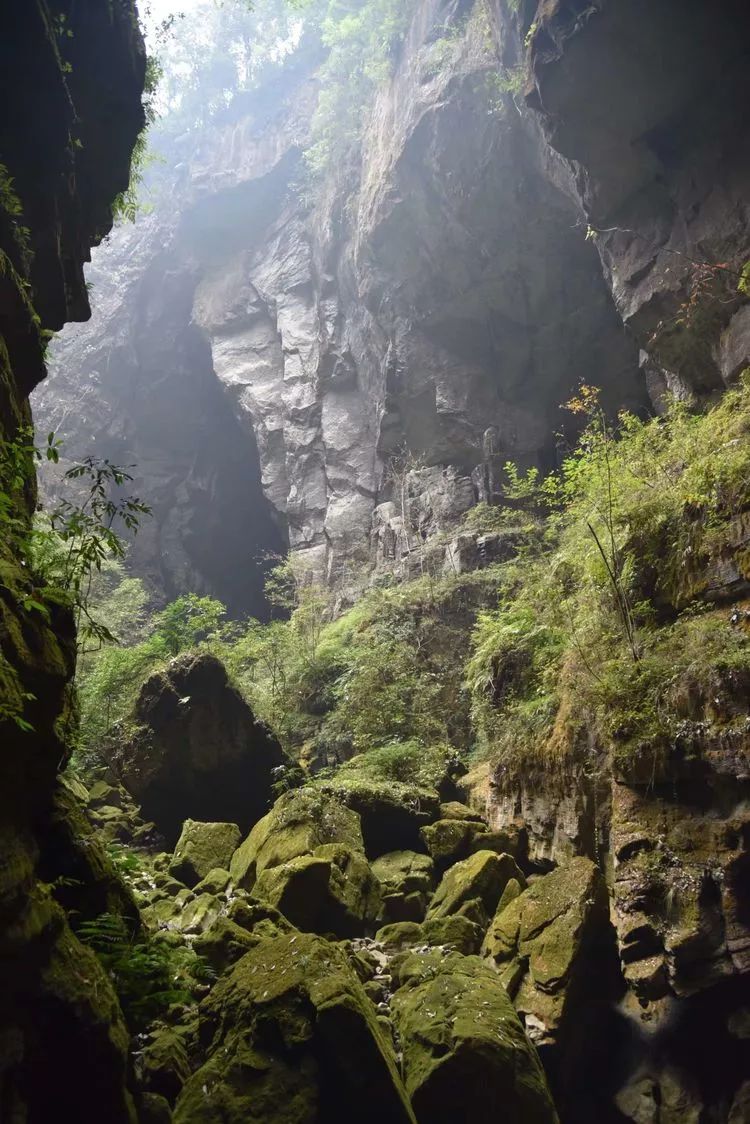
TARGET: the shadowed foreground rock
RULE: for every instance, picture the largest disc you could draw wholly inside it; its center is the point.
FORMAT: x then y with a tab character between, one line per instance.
197	750
292	1037
465	1053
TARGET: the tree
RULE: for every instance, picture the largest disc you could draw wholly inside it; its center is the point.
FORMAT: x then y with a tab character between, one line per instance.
187	621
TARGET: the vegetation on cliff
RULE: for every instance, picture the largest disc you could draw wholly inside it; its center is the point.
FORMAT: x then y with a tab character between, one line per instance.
610	609
608	622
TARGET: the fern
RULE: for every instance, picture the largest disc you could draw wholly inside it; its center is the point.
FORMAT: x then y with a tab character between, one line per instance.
149	977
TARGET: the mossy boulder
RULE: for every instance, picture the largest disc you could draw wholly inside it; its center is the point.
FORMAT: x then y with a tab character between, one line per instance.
290	1037
465	1054
450	839
333	890
299	822
166	886
457	933
391	815
223	943
544	938
203	847
258	918
163	1064
455	810
198	914
217	881
474	887
400	934
406	878
160	913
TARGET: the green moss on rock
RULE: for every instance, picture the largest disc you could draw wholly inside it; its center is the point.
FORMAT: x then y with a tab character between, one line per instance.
540	939
391	814
299	822
457	933
223	943
291	1038
203	847
449	841
474	886
407	879
163	1063
455	810
215	882
465	1053
331	891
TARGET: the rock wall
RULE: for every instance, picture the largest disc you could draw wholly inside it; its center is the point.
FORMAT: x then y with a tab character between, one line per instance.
440	297
646	104
72	111
643	101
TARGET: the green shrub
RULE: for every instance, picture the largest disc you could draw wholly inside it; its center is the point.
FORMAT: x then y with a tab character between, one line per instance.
603	623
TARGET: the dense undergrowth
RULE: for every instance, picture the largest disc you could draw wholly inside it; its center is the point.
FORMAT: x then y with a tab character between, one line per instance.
610	624
612	621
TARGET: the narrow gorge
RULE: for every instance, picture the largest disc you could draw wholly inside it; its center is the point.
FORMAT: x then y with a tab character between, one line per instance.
375	562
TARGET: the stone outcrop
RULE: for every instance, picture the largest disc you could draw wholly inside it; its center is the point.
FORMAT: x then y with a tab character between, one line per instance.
671	830
71	114
662	172
196	750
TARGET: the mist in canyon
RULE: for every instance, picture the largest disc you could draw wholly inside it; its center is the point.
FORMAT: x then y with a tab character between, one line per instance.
375	580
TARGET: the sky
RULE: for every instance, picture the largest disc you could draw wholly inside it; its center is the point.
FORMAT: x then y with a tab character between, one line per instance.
154	11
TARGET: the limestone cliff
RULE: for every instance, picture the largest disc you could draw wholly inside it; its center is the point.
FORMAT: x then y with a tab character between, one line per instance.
439	297
71	77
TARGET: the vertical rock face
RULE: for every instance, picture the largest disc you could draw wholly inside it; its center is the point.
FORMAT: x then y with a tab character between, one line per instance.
647	103
442	300
67	130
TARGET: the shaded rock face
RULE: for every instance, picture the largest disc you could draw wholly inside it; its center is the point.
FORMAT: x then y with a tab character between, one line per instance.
58	1013
443	300
672	832
646	101
196	750
145	394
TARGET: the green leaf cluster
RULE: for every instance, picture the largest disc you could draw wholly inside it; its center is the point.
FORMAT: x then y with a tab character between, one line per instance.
147	975
362	40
